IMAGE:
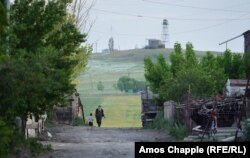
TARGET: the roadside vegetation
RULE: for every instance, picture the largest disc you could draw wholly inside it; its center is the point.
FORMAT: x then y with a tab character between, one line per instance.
41	52
175	129
188	76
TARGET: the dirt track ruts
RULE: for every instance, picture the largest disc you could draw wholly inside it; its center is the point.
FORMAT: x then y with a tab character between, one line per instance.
81	142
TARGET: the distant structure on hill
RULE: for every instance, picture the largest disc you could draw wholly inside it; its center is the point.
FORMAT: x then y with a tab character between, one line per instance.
154	44
111	44
160	43
164	34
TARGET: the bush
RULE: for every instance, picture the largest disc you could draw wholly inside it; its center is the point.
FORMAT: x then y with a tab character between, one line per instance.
78	121
6	138
175	129
246	132
178	131
36	147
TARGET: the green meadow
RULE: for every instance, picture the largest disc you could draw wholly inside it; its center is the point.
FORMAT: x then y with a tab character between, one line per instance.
122	110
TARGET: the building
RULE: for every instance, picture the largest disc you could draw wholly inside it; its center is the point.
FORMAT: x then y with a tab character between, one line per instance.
235	87
154	44
66	115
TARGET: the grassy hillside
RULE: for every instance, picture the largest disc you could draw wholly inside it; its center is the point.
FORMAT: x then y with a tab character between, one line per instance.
108	68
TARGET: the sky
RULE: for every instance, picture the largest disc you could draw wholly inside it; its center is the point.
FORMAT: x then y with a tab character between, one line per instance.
204	23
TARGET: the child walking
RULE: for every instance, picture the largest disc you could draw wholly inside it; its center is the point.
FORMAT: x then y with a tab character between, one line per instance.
91	120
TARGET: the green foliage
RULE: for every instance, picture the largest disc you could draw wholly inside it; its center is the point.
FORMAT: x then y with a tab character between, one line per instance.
233	64
36	147
246	131
100	86
178	131
127	84
6	138
177	59
202	78
78	121
45	54
156	73
3	16
191	59
175	129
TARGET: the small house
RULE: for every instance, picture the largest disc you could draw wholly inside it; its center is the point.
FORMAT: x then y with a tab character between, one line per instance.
154	44
235	87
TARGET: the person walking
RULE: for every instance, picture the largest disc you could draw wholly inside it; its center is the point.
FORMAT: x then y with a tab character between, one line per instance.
91	120
99	114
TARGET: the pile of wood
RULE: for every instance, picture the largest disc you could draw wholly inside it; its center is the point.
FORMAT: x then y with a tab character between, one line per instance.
228	111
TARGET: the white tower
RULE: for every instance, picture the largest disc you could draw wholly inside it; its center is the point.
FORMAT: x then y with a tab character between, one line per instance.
165	35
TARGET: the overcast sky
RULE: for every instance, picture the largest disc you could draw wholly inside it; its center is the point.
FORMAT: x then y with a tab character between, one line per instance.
205	23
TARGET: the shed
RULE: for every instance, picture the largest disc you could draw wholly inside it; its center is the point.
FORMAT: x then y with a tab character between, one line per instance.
154	44
235	87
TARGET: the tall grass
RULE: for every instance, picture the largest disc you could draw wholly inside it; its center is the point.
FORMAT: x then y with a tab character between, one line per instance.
175	129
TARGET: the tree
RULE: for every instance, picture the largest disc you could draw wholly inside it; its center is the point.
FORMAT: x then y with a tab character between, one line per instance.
214	70
227	60
125	83
176	59
202	79
100	86
3	16
191	60
155	73
45	52
80	10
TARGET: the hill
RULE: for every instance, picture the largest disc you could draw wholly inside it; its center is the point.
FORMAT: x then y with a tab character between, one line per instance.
120	108
108	68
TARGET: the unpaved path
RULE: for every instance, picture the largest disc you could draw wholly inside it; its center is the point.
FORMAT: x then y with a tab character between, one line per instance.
81	142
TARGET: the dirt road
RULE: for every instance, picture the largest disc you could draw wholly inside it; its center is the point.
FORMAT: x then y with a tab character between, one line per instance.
81	142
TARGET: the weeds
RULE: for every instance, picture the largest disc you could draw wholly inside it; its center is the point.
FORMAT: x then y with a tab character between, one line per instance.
246	131
175	129
78	121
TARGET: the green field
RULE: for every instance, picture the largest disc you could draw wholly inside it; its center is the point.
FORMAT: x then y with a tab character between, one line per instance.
122	110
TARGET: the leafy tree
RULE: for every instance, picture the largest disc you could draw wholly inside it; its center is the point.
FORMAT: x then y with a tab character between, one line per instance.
177	59
125	83
237	70
227	62
201	79
156	73
45	56
211	65
3	16
191	60
100	86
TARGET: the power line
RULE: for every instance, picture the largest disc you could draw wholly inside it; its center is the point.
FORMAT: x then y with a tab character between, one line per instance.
196	7
170	18
123	34
177	33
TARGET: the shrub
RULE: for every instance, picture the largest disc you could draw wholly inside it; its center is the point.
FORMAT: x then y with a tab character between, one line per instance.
6	138
36	147
175	129
78	121
246	131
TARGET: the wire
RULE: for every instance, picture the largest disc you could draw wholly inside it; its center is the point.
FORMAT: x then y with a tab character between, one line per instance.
196	7
122	34
170	18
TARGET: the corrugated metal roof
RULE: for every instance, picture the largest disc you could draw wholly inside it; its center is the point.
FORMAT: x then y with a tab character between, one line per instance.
237	82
